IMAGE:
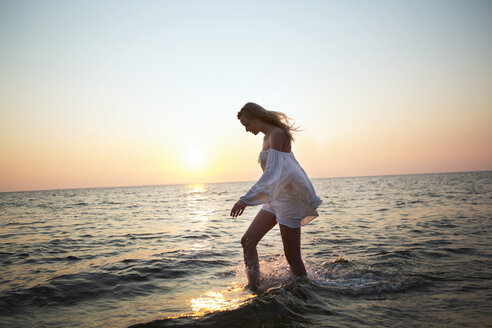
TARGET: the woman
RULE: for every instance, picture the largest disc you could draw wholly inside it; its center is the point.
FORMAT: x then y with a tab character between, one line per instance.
287	195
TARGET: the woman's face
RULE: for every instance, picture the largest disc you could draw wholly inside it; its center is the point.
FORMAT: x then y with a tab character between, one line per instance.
251	125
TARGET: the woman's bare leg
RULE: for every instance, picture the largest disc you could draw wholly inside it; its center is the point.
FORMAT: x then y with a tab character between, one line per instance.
261	224
291	238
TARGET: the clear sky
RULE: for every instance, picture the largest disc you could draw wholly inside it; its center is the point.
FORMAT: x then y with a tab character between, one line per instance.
117	93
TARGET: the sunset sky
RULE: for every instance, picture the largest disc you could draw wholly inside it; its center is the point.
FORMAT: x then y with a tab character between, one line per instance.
118	93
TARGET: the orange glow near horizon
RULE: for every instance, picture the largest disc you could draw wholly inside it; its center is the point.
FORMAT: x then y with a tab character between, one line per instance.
29	167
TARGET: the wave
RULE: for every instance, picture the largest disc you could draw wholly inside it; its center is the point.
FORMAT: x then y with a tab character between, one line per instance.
298	302
71	289
286	306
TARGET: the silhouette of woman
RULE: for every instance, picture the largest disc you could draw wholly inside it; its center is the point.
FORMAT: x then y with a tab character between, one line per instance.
287	195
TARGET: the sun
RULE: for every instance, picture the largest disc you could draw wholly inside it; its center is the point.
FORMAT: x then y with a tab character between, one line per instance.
195	158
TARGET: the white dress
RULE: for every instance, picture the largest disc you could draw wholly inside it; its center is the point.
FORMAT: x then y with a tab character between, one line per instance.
285	189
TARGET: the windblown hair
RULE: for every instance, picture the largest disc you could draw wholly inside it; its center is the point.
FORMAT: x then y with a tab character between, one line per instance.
255	111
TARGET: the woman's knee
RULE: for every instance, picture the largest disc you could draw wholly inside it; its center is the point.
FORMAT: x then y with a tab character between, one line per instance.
247	243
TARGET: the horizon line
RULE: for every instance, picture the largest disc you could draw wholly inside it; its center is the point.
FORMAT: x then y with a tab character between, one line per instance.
207	183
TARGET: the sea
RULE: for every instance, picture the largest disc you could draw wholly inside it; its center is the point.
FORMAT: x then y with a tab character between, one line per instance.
385	251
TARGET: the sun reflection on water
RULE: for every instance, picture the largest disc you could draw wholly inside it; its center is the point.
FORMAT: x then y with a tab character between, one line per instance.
196	197
201	246
196	188
212	301
196	194
199	211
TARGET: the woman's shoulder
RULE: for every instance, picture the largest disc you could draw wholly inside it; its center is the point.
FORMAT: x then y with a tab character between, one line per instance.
279	140
279	133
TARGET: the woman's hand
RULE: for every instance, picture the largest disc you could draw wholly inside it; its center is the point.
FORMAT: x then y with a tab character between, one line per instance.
238	208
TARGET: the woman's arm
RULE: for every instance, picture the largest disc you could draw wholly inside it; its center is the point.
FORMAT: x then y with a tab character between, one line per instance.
238	208
256	195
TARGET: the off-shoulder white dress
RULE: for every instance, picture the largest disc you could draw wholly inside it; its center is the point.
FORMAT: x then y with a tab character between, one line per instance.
284	189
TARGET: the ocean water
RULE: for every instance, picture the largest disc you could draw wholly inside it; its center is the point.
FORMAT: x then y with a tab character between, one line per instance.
397	251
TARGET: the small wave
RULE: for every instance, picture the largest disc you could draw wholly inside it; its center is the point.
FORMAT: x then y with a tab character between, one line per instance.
165	268
71	289
351	279
462	250
24	223
106	202
396	254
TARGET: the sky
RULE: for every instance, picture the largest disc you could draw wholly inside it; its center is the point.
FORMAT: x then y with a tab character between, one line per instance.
120	93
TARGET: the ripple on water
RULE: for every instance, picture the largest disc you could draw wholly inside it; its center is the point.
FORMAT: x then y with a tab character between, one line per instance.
72	289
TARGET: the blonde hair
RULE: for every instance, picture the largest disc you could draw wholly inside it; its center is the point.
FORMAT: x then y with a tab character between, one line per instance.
255	111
